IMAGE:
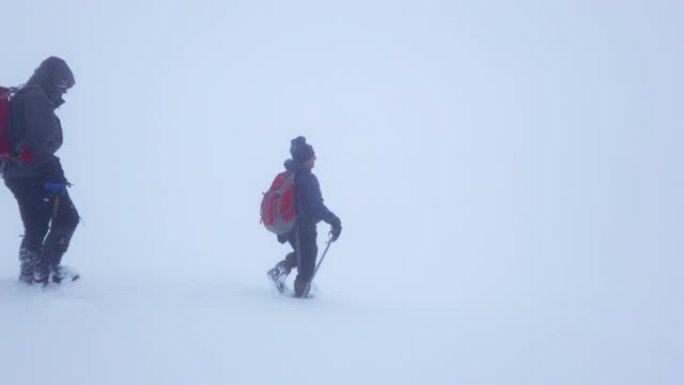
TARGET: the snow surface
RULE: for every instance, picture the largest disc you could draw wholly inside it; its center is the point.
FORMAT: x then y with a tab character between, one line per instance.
508	174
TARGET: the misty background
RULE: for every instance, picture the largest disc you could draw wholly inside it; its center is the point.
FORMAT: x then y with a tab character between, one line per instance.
514	164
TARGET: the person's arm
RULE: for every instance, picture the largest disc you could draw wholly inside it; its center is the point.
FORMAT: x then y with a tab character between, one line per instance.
320	210
42	135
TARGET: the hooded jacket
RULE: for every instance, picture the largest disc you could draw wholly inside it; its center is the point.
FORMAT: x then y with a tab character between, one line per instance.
35	128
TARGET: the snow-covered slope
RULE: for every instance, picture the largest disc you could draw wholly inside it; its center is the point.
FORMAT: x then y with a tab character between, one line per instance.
178	331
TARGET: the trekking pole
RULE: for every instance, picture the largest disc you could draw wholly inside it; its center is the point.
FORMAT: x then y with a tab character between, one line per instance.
308	287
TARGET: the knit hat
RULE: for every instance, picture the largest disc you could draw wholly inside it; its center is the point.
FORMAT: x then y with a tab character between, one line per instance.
300	150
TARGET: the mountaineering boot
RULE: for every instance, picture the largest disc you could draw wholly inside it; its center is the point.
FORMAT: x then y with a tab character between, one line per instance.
58	273
41	273
302	289
28	262
278	275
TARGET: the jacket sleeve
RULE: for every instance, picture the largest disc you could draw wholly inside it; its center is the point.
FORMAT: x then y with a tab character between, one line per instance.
42	131
316	208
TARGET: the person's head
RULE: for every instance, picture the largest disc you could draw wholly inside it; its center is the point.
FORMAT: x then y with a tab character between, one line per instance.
54	77
311	163
302	152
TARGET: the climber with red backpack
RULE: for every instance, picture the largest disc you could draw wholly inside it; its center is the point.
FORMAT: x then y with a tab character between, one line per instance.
291	209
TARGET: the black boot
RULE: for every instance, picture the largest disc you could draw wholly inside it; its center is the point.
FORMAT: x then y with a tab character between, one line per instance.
28	263
279	273
41	273
302	288
58	273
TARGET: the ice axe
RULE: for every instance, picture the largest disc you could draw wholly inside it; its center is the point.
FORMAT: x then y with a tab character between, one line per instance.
318	265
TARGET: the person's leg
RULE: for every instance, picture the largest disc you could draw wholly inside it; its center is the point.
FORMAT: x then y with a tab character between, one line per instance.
35	216
64	221
306	261
283	268
289	263
65	218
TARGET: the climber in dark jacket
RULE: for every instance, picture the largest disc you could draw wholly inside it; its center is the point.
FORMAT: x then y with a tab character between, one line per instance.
310	210
35	175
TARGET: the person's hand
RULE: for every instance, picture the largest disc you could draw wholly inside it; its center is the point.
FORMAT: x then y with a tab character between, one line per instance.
336	229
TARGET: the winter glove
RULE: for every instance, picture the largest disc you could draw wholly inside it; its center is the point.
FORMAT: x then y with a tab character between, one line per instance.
55	188
336	229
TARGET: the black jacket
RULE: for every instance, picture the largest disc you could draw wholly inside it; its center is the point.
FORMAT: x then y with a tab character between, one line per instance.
310	206
34	125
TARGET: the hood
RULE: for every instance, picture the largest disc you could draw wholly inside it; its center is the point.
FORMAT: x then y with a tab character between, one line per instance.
54	77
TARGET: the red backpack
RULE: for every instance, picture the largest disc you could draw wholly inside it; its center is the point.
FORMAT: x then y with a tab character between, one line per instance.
278	206
5	146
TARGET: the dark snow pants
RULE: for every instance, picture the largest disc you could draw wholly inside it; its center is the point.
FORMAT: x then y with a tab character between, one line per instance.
49	218
303	241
